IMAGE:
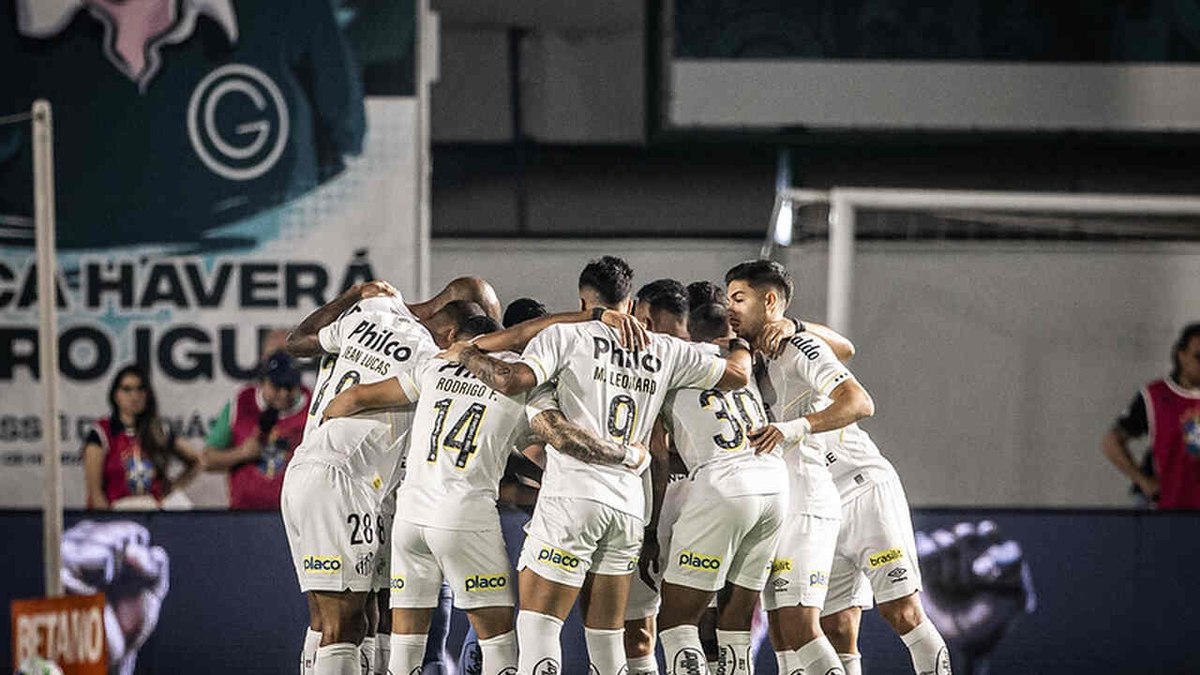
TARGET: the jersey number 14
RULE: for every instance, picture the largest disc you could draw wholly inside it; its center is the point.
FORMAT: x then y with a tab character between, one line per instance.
460	437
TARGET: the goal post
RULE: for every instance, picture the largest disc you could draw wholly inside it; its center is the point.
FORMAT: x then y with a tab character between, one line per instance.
47	265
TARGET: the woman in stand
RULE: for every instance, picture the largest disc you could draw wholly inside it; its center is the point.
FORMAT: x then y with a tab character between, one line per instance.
126	454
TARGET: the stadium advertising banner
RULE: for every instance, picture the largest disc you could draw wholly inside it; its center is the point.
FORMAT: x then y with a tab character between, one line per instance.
223	167
940	66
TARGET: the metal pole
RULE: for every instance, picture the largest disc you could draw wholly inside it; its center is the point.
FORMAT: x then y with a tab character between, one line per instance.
43	205
841	261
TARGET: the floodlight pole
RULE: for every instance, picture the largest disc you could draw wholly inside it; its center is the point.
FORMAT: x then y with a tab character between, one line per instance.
841	261
43	214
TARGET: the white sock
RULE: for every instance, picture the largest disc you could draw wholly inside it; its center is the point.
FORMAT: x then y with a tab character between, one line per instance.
712	667
499	653
366	650
734	655
819	656
681	647
928	649
408	651
852	663
606	649
539	649
787	663
337	659
643	665
308	655
383	647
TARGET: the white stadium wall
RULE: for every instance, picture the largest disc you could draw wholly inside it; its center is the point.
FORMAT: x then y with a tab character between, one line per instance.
996	367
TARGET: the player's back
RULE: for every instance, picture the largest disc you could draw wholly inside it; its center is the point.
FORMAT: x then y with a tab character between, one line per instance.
368	343
794	384
371	343
460	442
614	393
711	428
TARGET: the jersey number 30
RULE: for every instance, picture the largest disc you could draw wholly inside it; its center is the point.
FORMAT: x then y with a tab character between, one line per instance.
461	435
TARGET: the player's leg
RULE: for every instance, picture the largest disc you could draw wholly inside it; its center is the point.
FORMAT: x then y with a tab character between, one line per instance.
749	565
796	592
383	569
312	637
639	642
320	505
888	556
439	634
555	559
477	570
602	603
415	587
366	649
849	594
605	595
842	630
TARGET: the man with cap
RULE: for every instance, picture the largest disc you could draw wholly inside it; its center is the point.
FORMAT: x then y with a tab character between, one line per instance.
255	433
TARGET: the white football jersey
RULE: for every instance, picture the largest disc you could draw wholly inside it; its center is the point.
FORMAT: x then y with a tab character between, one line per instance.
460	442
794	385
711	429
362	346
613	393
371	342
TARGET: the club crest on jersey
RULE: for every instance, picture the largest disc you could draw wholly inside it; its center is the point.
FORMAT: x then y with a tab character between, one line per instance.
699	561
884	557
602	346
558	558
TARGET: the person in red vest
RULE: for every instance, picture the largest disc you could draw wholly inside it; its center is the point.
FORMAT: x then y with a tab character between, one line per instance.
125	455
1169	411
255	434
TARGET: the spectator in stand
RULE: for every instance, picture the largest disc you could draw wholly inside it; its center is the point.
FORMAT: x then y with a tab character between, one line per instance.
126	455
1168	410
256	433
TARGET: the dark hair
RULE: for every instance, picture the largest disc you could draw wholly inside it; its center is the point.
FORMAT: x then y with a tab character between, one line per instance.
523	309
708	322
458	312
1185	336
665	295
611	278
481	324
760	273
147	426
705	292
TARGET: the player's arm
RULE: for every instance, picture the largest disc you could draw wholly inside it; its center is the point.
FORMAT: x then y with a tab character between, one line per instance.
507	378
660	475
851	403
738	365
1133	424
470	289
775	335
632	334
303	340
575	441
383	394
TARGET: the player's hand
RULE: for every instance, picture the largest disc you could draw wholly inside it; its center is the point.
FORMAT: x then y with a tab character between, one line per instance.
643	459
649	558
454	352
116	558
374	289
342	405
774	336
631	332
765	440
976	582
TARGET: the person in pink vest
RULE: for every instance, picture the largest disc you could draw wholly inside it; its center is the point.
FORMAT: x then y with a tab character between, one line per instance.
126	454
255	434
1168	410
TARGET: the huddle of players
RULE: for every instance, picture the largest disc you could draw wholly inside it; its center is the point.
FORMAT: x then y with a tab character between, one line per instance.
784	495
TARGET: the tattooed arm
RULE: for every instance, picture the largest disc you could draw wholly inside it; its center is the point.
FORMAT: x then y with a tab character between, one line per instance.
575	441
507	378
